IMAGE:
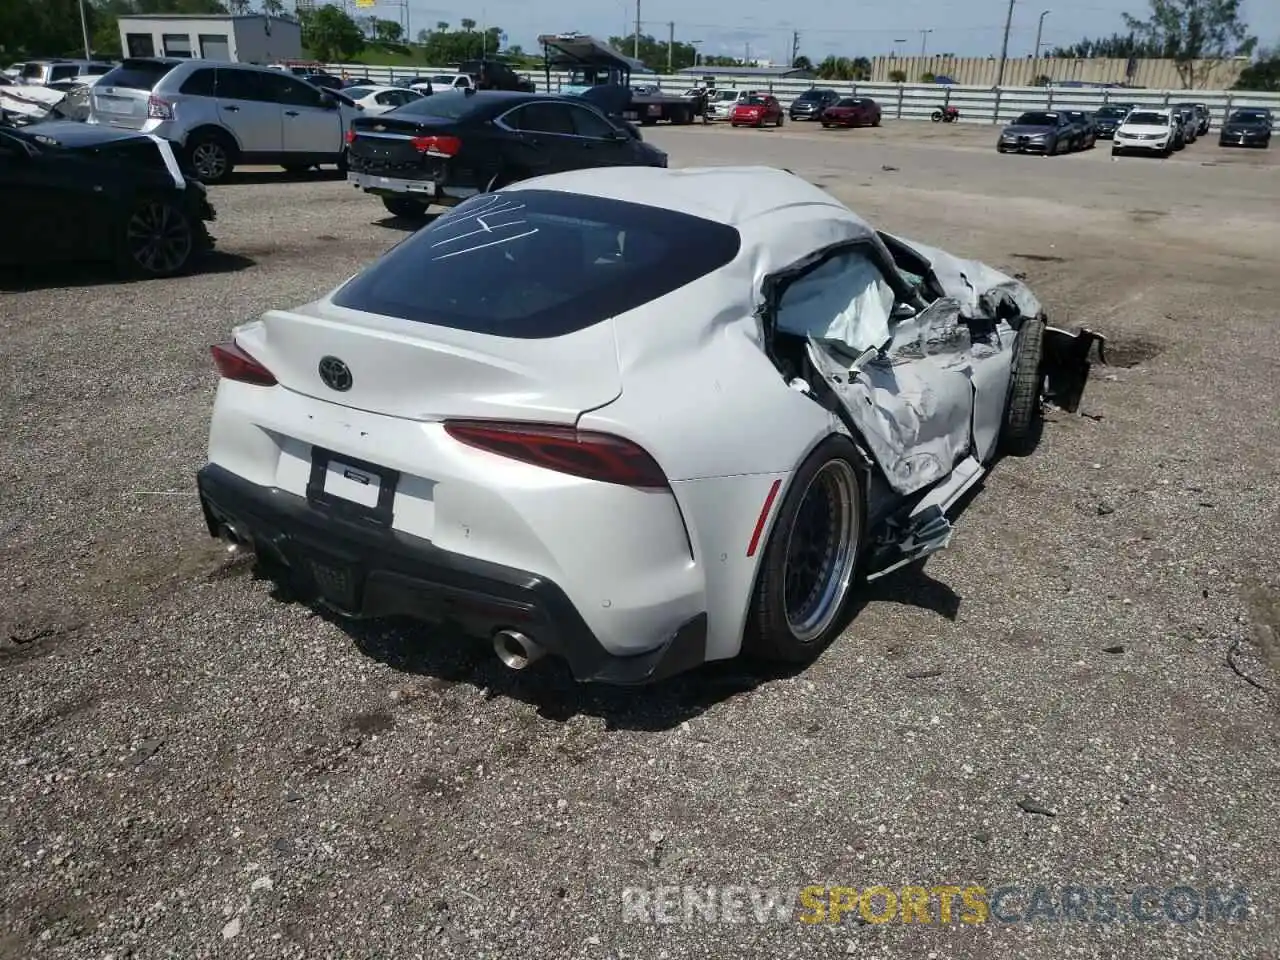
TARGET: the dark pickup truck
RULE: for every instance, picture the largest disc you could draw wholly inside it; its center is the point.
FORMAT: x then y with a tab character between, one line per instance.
495	75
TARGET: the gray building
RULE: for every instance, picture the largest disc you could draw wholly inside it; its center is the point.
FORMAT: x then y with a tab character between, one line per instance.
247	38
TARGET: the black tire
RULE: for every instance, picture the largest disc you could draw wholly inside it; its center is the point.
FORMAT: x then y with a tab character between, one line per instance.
405	208
342	162
936	116
826	489
157	239
1024	413
779	123
825	125
212	156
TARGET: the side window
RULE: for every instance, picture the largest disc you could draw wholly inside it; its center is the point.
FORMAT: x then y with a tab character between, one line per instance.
587	123
845	299
63	73
242	85
291	92
199	84
541	118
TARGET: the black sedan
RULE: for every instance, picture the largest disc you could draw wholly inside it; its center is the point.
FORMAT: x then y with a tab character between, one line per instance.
72	191
811	104
1107	118
1247	127
1039	131
446	148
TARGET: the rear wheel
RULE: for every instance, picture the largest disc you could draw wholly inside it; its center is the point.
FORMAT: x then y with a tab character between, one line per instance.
212	156
809	565
1024	413
405	208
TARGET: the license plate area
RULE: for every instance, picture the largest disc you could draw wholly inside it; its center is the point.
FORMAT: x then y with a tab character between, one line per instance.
351	488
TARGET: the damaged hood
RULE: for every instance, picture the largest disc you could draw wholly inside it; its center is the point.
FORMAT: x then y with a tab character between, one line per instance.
982	291
32	102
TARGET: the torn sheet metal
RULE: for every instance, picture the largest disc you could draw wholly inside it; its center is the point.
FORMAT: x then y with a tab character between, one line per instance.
981	290
30	103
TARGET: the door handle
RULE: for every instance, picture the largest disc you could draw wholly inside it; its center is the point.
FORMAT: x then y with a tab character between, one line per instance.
291	113
232	109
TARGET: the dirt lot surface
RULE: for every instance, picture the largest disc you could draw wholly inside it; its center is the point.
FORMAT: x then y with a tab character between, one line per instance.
192	768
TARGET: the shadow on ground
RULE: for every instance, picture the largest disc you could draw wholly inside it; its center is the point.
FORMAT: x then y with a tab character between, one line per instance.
53	276
451	657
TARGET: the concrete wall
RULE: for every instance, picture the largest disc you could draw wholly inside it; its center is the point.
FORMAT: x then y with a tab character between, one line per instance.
1022	72
250	39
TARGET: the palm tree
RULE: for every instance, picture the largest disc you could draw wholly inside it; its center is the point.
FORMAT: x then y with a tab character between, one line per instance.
273	8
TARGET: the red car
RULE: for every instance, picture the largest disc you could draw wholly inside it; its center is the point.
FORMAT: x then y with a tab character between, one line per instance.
756	111
852	112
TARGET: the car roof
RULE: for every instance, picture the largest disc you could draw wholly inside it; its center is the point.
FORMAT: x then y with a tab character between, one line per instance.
728	195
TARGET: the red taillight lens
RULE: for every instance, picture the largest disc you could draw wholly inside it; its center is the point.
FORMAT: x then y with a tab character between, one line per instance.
581	453
437	146
234	364
158	109
351	136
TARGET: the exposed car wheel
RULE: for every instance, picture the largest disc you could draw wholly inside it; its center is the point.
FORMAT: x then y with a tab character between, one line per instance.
212	156
809	565
159	239
779	123
875	122
342	162
405	208
1023	414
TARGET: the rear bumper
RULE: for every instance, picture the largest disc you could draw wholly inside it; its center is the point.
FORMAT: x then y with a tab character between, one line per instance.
428	190
367	571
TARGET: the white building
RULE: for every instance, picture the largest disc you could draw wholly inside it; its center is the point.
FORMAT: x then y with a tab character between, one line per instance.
248	38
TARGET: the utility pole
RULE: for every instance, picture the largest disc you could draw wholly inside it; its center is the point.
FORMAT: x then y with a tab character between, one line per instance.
746	61
924	39
1035	57
795	46
1004	49
84	32
635	49
671	46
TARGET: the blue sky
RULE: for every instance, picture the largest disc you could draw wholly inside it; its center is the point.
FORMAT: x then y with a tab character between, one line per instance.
726	27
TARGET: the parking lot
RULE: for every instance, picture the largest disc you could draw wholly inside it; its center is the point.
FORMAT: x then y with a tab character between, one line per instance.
1076	693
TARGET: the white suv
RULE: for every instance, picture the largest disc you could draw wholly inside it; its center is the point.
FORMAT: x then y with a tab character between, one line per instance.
1147	130
222	114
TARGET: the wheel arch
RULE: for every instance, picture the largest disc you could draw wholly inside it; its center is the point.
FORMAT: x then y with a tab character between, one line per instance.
213	129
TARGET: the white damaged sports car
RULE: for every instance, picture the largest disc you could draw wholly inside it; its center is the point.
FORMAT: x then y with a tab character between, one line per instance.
634	418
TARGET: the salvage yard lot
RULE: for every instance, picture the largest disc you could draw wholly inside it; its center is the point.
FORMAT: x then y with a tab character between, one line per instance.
175	734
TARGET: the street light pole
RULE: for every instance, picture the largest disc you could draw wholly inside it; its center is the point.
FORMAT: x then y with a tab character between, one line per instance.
1035	57
635	51
924	39
1004	49
84	32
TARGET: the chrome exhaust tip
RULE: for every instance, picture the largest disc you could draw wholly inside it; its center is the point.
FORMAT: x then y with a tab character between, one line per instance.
516	650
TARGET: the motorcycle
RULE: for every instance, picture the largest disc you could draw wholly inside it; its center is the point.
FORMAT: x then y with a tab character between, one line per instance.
946	115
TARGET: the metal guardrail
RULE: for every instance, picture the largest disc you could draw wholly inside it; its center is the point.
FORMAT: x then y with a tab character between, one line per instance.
917	101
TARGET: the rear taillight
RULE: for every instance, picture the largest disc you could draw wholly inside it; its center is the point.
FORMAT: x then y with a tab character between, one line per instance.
581	453
234	364
351	136
158	109
437	146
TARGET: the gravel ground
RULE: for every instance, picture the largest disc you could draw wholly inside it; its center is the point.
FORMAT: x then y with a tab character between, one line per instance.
192	768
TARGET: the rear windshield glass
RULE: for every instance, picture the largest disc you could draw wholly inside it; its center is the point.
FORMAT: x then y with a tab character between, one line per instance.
137	74
535	263
450	105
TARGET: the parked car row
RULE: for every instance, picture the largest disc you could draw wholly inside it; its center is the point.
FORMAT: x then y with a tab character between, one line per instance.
833	109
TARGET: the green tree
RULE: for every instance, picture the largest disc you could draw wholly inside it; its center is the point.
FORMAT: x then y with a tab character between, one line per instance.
330	34
802	63
844	68
1196	34
389	31
443	47
238	6
653	52
273	8
1118	46
897	76
468	25
1263	74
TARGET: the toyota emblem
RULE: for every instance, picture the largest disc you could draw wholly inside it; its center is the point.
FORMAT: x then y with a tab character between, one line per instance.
335	374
